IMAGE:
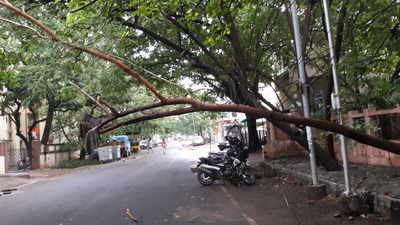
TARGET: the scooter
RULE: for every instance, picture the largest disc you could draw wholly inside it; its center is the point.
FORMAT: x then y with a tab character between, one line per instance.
230	165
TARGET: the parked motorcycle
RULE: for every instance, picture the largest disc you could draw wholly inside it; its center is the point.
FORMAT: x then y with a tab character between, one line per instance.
229	165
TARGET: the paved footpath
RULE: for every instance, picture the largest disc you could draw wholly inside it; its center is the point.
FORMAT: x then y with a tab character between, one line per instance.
160	189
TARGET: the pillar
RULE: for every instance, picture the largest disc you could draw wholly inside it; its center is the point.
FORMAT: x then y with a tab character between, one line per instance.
36	150
3	157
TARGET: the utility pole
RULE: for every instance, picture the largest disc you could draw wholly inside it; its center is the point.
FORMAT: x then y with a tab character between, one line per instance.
304	89
335	98
194	126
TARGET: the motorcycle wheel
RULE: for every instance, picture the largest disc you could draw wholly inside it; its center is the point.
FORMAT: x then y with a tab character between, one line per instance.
204	178
250	179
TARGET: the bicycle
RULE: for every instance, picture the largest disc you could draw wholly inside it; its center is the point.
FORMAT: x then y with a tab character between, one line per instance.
24	163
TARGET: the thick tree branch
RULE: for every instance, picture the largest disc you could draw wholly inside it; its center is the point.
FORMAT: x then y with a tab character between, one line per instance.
84	7
196	40
157	76
284	90
340	29
308	21
66	135
175	101
197	106
107	107
148	117
234	38
155	36
31	19
196	62
265	101
119	64
93	52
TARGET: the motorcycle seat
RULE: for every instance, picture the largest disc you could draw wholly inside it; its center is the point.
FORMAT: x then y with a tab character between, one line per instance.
210	160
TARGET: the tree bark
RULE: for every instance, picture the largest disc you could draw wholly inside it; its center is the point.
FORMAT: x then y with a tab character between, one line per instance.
197	106
329	163
89	137
254	141
49	122
329	142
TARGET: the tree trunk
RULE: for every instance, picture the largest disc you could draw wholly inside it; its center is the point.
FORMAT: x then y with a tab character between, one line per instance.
29	149
326	159
82	153
90	138
330	145
27	142
254	141
329	142
16	115
49	122
323	157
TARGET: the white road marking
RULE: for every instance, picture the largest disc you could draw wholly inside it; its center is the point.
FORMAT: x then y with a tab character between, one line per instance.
249	220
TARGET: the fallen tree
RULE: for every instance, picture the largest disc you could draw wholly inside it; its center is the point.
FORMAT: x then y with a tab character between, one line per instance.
190	104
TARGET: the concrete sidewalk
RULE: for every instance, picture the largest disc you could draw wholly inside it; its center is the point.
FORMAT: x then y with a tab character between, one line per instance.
18	179
383	183
283	199
15	180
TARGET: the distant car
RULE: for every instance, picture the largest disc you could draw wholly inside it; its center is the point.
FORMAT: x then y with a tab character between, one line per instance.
197	140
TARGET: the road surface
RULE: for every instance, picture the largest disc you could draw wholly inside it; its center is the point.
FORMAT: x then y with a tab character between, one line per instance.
158	189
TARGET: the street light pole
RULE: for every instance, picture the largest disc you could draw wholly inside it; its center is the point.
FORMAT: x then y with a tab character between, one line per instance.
304	87
335	98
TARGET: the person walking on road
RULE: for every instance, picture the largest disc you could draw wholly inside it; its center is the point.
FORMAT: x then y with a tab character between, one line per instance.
164	146
149	145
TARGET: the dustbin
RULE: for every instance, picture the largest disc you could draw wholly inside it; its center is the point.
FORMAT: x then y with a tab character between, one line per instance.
105	154
116	152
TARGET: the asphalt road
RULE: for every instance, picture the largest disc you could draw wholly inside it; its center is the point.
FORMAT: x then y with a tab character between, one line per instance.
157	189
160	189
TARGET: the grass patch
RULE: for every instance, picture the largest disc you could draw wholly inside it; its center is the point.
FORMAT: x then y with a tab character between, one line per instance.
74	163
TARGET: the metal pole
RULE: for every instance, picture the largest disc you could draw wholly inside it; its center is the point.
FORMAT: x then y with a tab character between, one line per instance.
335	98
304	86
194	126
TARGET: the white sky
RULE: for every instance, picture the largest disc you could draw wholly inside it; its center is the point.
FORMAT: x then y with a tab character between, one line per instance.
265	90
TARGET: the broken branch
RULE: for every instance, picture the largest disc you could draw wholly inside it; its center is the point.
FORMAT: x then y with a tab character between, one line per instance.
198	106
93	52
24	26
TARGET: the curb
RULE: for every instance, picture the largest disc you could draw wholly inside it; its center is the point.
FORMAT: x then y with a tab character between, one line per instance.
34	178
18	175
382	203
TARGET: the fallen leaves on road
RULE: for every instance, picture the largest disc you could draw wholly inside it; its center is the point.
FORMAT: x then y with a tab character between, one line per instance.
131	216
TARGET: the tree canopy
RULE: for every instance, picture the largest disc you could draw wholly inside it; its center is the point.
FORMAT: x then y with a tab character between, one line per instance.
229	47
